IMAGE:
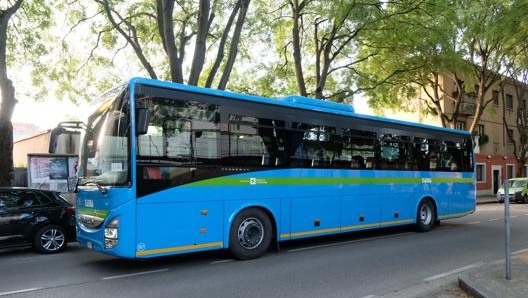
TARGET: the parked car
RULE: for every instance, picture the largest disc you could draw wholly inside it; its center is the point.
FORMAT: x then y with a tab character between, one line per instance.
517	190
33	217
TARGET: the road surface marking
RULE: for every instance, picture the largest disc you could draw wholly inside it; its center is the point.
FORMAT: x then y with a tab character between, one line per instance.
520	251
134	274
349	242
20	291
221	261
454	271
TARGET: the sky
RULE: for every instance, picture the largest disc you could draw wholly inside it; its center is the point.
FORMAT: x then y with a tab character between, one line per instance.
46	115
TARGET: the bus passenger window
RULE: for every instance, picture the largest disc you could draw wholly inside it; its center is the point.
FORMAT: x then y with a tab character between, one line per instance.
153	173
358	162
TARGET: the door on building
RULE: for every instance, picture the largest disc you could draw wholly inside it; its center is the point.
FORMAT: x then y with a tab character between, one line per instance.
496	180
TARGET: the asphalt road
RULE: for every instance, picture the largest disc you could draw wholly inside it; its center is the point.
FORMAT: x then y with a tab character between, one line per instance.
363	265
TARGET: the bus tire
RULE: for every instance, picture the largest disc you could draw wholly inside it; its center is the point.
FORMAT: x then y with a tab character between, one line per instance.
250	234
426	216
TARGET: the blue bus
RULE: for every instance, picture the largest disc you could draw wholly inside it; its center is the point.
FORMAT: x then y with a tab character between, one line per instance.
166	168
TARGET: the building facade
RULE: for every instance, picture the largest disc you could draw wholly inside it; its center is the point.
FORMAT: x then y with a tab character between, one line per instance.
494	150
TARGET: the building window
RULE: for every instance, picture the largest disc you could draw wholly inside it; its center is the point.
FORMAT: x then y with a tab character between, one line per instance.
510	136
509	101
495	97
480	129
461	125
496	147
510	171
481	172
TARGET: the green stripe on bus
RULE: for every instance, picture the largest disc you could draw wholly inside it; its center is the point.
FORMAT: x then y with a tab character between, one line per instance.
277	181
100	213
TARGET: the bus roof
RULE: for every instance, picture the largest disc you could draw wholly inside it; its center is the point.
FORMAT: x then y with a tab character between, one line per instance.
292	101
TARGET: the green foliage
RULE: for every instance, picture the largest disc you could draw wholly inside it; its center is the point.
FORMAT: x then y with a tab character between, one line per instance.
419	39
385	50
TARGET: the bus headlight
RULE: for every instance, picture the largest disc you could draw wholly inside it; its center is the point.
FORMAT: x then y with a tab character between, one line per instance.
110	233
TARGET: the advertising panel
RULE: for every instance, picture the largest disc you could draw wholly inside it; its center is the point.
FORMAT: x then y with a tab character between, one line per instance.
51	171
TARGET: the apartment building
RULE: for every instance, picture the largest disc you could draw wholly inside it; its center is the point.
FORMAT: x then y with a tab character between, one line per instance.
494	151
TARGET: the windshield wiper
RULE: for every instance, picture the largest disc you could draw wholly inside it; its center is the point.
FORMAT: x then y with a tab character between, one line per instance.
101	189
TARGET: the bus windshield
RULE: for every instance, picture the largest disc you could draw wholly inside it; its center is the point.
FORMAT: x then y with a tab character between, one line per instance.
104	154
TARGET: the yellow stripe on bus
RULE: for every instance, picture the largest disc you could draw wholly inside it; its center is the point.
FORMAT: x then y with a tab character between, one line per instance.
453	215
179	248
344	229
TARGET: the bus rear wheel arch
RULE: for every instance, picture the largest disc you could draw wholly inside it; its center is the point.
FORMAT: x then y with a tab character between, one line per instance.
251	234
426	216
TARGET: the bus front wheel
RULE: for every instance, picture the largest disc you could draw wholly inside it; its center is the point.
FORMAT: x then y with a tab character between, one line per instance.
250	235
426	216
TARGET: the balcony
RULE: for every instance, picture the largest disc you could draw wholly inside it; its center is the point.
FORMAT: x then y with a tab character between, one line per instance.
468	104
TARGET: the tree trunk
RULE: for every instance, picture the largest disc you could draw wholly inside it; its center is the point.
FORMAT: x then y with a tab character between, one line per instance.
233	50
222	46
200	45
6	153
8	101
296	39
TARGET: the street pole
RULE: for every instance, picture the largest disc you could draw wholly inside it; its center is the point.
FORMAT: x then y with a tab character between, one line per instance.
507	261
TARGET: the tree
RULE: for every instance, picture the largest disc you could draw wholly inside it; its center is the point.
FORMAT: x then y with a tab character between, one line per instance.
24	39
7	105
320	38
461	40
516	73
170	38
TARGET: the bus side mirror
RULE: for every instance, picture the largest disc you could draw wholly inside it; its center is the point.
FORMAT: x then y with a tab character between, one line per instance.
66	127
54	138
142	118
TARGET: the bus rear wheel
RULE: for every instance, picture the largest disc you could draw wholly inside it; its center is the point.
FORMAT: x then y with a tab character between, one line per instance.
250	234
426	216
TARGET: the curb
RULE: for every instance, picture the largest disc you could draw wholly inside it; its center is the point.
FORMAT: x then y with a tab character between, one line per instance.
470	286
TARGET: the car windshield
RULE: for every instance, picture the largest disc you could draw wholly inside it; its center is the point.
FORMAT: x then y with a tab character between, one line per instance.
517	183
104	153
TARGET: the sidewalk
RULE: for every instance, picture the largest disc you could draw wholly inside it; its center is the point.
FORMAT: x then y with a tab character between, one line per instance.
489	281
486	199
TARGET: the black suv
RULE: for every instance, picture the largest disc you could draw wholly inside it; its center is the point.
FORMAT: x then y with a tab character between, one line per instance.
41	218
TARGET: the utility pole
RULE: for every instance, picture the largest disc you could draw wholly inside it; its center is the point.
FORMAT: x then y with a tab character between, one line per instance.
507	260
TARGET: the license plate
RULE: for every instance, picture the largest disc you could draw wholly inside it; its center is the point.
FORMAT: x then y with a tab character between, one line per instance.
88	203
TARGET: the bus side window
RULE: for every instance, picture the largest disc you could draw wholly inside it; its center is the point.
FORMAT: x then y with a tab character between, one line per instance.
358	162
152	173
246	146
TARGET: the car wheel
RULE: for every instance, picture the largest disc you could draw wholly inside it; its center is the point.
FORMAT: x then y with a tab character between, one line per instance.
50	239
426	216
525	199
250	234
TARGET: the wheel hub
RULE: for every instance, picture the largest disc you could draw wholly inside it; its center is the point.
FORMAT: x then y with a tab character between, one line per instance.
250	233
52	240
